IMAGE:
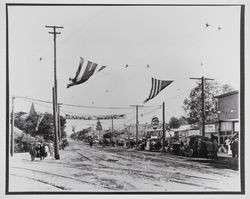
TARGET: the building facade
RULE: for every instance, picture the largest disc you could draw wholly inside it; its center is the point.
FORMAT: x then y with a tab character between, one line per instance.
228	115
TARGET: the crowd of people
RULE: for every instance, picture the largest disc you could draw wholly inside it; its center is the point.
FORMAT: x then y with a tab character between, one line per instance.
199	146
41	150
230	146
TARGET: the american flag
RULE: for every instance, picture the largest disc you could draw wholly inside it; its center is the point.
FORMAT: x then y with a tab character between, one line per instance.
157	86
88	72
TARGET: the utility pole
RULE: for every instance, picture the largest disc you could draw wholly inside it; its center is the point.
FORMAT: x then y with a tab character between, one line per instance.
56	142
129	131
163	127
112	128
12	129
136	106
59	124
203	101
55	89
112	124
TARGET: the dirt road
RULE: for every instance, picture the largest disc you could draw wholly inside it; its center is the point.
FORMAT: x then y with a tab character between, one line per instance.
86	169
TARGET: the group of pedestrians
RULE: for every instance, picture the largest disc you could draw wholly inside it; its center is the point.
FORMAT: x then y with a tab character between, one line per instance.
41	150
212	148
230	146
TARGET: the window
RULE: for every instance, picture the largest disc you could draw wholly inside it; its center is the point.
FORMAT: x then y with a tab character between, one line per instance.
222	133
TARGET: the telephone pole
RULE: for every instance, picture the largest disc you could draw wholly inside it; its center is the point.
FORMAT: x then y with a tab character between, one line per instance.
56	141
163	127
203	79
59	123
54	32
136	106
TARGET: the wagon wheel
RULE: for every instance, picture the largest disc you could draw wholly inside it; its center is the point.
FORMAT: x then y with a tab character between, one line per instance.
191	152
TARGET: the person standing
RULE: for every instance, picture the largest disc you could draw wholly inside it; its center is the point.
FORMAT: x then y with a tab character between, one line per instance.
215	148
209	148
199	145
91	142
227	143
234	147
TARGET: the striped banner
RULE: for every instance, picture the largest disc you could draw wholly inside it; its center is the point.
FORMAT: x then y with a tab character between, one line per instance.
157	86
81	76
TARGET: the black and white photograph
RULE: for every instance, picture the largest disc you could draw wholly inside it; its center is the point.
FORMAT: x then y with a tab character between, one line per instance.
124	98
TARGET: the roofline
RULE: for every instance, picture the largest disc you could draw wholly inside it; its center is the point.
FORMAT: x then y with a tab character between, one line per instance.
227	94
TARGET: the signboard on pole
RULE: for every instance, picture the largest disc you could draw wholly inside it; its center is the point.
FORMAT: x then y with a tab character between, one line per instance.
155	122
210	128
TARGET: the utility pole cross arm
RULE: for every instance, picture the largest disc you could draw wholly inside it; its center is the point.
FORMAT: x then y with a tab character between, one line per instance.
54	26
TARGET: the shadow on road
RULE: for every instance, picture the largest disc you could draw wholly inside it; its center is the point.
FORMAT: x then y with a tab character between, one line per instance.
220	162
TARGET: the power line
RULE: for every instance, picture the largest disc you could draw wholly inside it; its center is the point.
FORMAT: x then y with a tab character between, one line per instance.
81	106
173	97
28	98
80	29
100	107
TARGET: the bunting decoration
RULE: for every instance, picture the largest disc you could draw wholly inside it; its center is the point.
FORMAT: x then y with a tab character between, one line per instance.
94	117
101	68
39	121
88	72
157	86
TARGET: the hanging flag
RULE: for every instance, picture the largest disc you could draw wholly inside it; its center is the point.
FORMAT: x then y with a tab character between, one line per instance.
101	68
76	78
89	71
157	86
39	121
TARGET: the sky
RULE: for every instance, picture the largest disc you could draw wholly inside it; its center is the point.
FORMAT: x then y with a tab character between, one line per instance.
173	40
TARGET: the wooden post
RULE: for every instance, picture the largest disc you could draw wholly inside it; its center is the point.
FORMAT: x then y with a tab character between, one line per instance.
203	105
163	127
59	125
56	143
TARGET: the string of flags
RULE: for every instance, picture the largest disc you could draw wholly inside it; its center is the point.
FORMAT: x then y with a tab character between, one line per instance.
94	117
156	87
81	77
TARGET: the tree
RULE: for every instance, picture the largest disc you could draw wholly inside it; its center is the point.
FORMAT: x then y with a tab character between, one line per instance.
31	124
46	127
62	123
192	105
19	122
183	120
174	122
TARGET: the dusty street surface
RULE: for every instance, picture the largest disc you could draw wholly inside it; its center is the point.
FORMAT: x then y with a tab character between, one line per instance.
82	168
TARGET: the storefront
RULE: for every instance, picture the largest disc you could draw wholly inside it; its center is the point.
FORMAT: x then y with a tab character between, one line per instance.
227	129
228	115
211	131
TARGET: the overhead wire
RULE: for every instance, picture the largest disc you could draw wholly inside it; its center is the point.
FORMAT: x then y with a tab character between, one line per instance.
81	106
79	29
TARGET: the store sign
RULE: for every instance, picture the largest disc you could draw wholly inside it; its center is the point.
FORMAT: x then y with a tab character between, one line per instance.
194	132
210	128
237	127
155	122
